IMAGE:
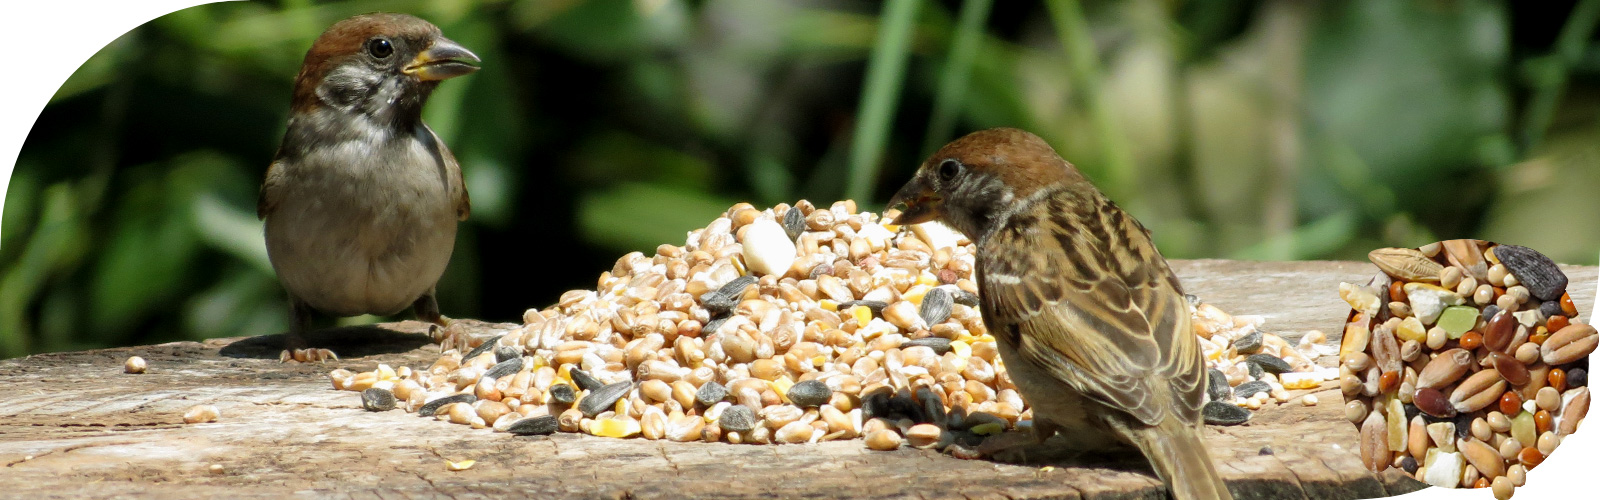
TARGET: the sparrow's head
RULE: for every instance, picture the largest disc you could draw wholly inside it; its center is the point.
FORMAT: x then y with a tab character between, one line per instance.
380	65
974	182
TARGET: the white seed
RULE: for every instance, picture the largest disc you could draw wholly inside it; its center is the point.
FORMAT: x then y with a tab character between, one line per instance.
201	414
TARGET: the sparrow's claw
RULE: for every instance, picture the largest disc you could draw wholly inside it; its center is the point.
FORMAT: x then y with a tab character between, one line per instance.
307	355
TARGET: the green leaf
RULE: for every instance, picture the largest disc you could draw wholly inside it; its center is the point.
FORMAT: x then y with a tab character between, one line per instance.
644	216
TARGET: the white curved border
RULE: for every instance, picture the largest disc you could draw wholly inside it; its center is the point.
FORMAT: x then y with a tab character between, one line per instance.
45	42
50	39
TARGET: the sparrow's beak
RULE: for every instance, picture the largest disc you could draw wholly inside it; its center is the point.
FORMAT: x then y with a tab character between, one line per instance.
443	59
922	203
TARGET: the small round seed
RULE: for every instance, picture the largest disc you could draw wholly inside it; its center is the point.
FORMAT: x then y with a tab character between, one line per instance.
198	414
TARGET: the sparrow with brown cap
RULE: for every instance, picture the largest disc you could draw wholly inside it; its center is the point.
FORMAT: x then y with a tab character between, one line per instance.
362	199
1091	323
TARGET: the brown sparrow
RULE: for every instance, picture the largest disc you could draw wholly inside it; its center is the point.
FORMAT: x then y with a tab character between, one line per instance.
362	199
1092	325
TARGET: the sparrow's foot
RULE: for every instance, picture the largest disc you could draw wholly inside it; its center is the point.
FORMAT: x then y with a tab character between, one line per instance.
307	355
1009	447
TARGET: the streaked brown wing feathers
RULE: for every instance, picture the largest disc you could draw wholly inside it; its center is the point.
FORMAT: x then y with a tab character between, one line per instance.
1111	323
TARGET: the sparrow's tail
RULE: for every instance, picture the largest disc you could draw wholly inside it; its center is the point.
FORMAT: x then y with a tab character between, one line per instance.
1180	458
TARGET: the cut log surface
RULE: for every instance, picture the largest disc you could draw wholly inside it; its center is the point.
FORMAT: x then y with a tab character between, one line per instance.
73	425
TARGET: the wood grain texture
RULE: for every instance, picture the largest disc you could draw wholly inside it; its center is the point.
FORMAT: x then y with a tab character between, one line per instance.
72	425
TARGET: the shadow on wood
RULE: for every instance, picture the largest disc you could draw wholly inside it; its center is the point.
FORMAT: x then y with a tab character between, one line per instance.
347	341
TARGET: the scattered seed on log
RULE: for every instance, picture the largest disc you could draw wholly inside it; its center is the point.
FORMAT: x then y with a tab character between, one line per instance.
1220	413
482	348
535	426
584	380
376	399
604	398
936	306
427	409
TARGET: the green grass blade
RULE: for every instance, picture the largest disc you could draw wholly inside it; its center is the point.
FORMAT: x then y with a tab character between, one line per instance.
957	70
1072	28
1551	73
885	73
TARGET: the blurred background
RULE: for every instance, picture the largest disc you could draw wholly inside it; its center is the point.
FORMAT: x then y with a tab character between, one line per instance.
1270	129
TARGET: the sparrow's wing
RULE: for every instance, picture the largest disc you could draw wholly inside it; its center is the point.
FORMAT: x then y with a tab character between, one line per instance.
271	190
1080	290
458	185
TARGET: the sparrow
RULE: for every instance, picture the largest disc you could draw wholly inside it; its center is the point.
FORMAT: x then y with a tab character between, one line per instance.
1091	323
362	199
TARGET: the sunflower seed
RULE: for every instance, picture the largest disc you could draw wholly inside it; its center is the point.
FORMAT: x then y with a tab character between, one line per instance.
1220	413
722	301
504	368
793	223
585	381
711	393
562	393
604	398
1248	344
482	348
376	399
1252	388
1533	270
876	306
1217	385
737	418
535	426
936	306
427	409
810	393
940	345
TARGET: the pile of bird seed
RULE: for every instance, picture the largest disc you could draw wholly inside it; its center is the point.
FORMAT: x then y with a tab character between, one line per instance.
1464	363
795	324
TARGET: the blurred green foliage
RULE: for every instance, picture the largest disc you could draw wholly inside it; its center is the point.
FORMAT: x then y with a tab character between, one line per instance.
1265	129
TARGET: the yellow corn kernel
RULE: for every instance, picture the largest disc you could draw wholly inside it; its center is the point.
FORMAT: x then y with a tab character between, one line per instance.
862	314
781	386
828	305
961	348
915	293
615	428
386	372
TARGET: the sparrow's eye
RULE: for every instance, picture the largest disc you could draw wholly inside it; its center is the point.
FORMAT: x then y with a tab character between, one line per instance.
948	170
379	48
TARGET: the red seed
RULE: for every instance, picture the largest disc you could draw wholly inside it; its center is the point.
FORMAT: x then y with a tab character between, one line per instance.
1543	421
1558	379
1499	332
1530	457
1397	291
1388	381
1556	323
1471	340
1510	403
1567	305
